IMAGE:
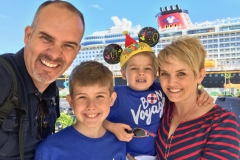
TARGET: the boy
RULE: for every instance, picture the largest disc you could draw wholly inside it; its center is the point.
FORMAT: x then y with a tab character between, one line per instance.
91	95
139	106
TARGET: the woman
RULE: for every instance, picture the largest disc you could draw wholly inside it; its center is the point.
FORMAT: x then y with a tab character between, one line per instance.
188	131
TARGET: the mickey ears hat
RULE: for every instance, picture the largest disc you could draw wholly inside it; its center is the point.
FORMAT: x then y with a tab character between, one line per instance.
148	37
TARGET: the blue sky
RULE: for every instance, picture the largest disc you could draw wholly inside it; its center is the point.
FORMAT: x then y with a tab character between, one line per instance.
15	15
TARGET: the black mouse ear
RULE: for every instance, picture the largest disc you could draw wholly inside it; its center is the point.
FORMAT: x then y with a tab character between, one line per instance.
112	53
149	35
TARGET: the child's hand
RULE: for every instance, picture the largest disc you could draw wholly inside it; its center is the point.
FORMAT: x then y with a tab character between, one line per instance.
129	157
120	132
204	98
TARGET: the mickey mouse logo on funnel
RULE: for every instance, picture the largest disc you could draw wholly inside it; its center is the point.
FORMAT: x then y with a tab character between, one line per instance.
148	37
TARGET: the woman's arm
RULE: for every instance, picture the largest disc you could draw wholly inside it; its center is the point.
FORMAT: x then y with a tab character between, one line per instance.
223	141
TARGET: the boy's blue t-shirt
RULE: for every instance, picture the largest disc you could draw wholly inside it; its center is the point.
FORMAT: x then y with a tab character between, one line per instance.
69	144
139	109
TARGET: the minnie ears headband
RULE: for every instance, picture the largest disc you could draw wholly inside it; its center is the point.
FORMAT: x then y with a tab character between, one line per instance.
148	35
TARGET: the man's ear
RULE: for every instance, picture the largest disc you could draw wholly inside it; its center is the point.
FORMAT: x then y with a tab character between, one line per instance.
113	98
123	74
69	99
79	48
202	74
27	34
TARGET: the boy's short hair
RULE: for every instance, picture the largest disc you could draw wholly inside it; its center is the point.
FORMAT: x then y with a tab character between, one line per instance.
91	73
188	50
150	54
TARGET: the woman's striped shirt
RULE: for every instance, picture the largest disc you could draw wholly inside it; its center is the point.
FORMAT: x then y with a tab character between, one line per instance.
214	135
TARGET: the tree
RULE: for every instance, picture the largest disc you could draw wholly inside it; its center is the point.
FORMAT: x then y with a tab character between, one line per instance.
66	120
228	77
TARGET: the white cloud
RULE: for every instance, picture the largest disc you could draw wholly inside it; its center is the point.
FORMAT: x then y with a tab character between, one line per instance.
96	6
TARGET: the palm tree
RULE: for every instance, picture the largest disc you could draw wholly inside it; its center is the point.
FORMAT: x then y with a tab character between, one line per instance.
228	77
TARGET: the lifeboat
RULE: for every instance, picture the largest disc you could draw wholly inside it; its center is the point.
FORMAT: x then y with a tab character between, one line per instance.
209	64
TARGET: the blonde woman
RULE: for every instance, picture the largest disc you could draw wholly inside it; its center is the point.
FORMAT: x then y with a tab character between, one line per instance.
187	130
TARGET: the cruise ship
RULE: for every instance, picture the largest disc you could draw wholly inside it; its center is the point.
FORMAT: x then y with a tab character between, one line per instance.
221	39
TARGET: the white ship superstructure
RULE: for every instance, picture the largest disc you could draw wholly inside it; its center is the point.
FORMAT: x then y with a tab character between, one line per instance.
221	38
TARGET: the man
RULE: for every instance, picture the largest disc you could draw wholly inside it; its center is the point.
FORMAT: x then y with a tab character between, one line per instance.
51	44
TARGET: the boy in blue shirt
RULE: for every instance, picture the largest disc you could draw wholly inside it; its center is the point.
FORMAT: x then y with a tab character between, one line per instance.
139	106
91	95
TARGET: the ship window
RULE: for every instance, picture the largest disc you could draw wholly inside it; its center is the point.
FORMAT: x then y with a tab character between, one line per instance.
215	36
232	39
220	35
232	34
226	34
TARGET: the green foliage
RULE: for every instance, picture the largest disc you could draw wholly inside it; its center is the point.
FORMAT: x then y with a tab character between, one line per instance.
66	120
229	76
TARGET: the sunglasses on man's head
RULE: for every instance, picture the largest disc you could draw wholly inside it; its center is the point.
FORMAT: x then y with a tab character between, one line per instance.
44	111
140	132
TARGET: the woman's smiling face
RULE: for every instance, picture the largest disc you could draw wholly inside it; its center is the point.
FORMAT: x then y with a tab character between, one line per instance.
178	80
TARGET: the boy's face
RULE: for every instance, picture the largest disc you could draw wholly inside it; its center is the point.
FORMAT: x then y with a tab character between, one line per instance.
91	105
139	72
